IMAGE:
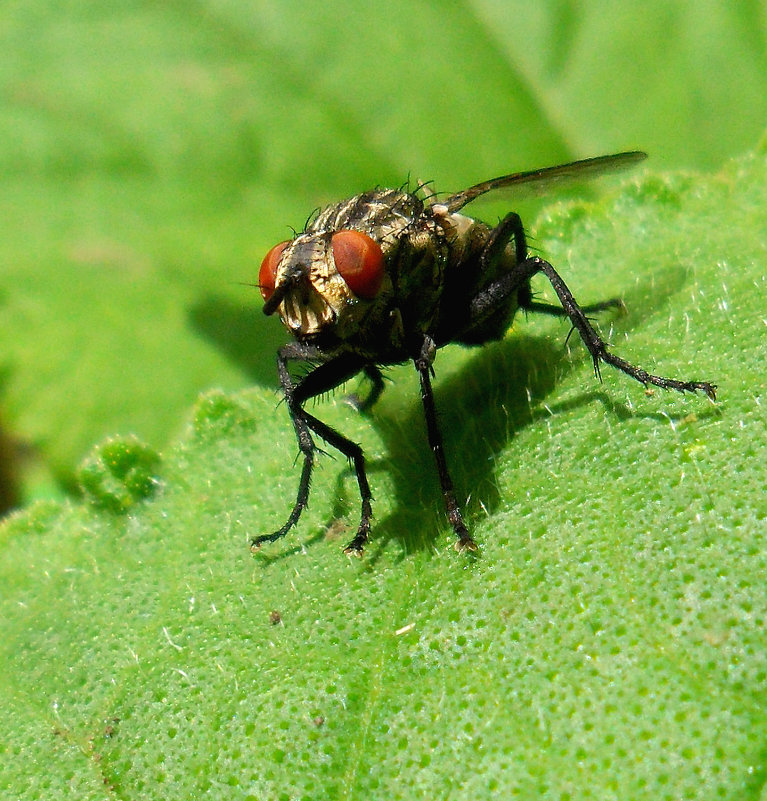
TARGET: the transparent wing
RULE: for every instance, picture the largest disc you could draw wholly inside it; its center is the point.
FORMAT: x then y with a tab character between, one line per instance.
540	181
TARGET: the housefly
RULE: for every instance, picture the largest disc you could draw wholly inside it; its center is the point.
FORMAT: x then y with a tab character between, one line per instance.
390	276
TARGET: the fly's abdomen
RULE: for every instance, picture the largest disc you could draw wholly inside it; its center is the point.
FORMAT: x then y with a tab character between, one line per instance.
466	277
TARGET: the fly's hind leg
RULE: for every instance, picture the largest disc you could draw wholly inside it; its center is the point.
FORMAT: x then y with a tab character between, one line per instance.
518	280
510	229
597	346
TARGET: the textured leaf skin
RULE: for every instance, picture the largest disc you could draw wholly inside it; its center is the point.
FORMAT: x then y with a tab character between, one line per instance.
607	643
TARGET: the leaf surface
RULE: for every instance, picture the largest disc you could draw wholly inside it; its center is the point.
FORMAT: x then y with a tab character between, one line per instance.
608	642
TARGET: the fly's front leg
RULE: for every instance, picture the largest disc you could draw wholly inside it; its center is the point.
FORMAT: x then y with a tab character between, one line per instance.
322	379
325	378
423	365
294	352
339	370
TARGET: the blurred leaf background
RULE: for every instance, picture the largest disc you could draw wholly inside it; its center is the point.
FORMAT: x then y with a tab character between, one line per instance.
150	154
605	644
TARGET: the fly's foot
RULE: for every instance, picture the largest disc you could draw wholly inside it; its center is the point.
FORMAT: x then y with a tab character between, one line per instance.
355	402
354	549
257	542
704	386
357	546
465	543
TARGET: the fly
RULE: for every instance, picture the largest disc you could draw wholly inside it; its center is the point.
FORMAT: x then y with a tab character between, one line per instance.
389	276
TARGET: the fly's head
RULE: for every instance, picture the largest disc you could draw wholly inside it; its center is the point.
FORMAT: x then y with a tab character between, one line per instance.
323	282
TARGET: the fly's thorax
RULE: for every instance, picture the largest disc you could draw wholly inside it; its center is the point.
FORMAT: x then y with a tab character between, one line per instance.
383	214
466	235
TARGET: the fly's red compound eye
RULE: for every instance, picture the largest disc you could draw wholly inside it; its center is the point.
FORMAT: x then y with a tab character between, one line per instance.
359	261
267	275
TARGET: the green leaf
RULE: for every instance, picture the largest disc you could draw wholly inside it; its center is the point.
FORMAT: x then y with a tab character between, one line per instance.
151	153
608	642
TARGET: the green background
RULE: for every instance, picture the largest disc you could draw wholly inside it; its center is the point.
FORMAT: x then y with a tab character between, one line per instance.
608	642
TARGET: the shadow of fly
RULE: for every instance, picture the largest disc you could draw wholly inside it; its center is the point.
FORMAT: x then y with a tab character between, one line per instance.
391	276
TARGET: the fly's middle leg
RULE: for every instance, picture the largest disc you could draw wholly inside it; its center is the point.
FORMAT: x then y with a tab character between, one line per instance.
423	365
373	374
